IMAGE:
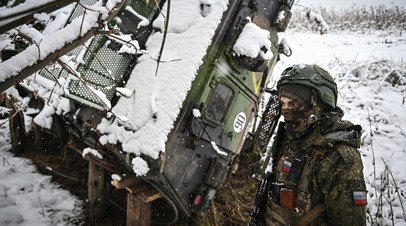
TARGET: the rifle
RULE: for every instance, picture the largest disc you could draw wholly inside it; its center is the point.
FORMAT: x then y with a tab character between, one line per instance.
265	184
264	132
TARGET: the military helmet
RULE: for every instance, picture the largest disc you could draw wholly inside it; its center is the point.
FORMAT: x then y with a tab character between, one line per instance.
313	77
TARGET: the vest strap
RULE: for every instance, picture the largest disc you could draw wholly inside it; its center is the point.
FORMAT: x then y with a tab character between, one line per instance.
311	215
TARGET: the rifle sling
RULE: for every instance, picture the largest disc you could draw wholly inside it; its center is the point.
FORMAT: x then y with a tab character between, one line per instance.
288	217
311	215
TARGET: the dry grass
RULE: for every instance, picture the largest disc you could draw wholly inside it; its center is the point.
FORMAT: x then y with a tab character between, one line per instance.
234	202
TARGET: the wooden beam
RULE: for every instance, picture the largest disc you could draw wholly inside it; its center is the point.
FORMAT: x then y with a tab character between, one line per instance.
136	186
91	158
138	211
149	195
17	127
126	182
139	198
97	192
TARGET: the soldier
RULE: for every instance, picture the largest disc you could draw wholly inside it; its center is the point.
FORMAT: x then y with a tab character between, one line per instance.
317	176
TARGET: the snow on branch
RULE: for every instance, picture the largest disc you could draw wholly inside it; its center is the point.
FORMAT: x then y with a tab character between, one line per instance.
59	43
24	13
322	26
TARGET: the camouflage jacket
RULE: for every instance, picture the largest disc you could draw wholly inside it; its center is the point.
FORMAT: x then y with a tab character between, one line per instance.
330	172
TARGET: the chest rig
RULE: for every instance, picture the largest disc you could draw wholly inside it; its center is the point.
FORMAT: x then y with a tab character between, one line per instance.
290	197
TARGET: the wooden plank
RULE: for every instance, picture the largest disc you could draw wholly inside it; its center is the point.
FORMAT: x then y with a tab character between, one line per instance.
138	211
135	189
139	199
97	192
17	127
149	195
126	182
74	145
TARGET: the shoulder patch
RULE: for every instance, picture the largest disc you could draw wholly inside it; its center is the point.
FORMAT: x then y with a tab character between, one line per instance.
346	153
360	197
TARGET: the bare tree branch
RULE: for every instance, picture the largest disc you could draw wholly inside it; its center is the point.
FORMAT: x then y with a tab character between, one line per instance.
27	15
48	60
164	38
53	57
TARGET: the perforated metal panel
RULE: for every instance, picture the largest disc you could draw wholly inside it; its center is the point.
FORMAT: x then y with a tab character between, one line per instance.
103	68
78	11
268	122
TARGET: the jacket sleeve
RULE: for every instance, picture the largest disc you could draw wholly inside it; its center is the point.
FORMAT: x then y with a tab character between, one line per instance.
338	176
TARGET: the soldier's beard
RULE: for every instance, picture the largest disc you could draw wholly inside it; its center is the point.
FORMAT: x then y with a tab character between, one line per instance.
298	122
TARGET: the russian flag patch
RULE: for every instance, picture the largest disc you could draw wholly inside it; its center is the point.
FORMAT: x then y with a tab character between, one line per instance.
360	197
286	166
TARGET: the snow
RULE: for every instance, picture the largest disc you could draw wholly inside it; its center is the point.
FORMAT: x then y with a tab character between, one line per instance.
345	4
33	33
144	21
102	97
56	104
217	149
140	166
124	92
116	177
28	4
323	26
91	151
251	40
51	43
129	46
28	197
360	63
196	113
158	98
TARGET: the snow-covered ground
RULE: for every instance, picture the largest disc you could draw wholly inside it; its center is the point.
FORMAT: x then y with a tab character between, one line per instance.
28	197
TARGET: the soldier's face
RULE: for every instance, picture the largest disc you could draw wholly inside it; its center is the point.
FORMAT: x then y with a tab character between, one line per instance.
289	104
296	114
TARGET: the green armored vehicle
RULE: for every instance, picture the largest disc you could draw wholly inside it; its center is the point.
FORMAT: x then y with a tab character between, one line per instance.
227	92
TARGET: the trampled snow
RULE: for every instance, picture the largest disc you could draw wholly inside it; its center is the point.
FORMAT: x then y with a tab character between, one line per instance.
28	197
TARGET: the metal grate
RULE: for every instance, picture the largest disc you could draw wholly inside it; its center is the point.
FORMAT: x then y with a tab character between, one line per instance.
78	11
268	122
103	68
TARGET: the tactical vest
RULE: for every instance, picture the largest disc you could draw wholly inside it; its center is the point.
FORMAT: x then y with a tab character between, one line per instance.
290	197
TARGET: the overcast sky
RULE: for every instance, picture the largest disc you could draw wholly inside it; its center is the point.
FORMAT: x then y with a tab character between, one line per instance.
340	4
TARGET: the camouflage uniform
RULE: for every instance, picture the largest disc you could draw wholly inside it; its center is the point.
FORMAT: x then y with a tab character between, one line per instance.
317	168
